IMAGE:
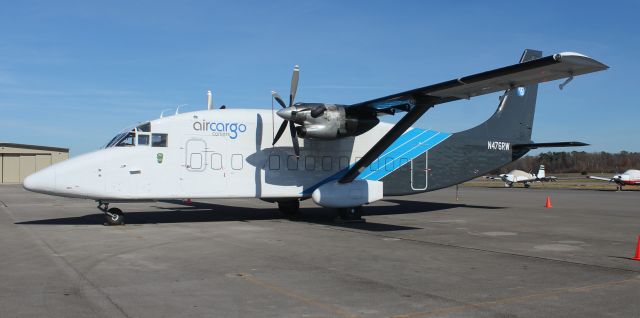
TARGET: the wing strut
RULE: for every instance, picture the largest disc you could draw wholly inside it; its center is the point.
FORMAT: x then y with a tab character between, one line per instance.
423	103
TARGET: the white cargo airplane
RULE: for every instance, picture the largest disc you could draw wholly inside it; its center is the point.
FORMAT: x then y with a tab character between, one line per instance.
526	178
341	156
629	177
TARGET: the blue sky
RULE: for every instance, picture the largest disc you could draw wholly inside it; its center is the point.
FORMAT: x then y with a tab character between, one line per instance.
73	73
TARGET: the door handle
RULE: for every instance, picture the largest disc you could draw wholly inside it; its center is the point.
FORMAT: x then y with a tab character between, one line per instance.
135	171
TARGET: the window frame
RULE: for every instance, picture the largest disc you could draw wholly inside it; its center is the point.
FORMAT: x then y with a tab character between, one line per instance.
159	144
235	155
274	162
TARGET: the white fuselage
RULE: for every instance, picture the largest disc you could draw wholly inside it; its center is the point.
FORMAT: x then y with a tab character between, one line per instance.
209	154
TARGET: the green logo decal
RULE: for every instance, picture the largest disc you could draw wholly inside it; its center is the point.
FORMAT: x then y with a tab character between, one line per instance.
159	156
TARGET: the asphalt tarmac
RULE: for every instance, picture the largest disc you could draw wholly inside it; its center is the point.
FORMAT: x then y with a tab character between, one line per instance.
493	253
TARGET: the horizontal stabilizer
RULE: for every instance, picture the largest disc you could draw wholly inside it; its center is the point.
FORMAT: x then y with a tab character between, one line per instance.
549	145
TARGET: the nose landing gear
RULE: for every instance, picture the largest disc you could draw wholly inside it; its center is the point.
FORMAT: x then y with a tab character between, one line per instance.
113	216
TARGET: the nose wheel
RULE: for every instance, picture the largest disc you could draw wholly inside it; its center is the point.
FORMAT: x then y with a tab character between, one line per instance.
112	216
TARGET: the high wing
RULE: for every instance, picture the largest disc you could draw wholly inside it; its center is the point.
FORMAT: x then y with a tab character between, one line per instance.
552	67
417	101
601	178
494	177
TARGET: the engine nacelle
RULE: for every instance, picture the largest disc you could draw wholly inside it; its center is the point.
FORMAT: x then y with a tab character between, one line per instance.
346	195
332	123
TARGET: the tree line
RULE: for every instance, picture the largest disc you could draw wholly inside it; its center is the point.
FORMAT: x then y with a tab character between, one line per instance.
576	162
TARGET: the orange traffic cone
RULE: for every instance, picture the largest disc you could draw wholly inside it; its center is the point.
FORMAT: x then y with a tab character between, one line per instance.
637	257
548	204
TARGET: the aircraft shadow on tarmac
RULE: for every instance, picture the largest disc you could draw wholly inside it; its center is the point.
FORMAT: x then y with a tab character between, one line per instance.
210	212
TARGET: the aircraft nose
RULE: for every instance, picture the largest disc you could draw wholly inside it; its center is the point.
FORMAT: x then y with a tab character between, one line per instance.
43	181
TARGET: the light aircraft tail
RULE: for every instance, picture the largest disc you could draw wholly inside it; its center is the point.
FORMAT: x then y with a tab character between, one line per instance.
540	174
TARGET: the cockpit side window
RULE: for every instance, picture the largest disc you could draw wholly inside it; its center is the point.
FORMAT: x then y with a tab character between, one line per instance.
127	141
159	140
146	127
143	140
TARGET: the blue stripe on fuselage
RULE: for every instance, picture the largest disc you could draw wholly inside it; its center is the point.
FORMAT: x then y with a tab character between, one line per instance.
408	146
402	151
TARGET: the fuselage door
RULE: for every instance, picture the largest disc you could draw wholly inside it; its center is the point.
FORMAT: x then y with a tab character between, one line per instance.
196	159
419	175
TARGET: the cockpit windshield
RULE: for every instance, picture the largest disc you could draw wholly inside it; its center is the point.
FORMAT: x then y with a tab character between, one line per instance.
138	136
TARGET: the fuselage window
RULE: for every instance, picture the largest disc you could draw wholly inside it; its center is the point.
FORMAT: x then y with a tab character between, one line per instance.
159	140
274	162
310	163
292	163
128	141
344	162
403	162
236	161
216	161
143	140
326	163
388	164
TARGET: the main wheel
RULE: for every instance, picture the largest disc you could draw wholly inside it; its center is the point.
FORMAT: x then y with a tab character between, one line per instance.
350	214
114	216
289	208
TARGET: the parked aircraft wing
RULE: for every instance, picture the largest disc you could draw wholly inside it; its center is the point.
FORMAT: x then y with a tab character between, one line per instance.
540	70
601	178
416	102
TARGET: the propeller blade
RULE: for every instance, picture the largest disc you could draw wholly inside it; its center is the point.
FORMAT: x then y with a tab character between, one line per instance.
278	99
294	138
294	84
280	131
318	111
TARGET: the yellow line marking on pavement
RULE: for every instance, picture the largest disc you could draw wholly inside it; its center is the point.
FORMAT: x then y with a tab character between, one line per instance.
508	300
291	294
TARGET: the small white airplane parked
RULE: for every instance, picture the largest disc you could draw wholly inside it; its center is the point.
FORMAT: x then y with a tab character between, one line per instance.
629	177
526	178
341	156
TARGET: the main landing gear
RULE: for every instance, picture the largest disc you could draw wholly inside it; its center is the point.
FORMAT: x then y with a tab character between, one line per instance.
290	209
113	216
350	215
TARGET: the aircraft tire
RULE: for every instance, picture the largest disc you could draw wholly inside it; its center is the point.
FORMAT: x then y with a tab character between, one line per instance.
350	214
289	208
116	217
526	185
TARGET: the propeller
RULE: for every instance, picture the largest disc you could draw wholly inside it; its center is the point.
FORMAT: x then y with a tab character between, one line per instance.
289	113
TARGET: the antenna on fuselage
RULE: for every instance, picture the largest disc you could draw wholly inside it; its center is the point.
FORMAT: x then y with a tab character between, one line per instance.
178	108
162	112
209	100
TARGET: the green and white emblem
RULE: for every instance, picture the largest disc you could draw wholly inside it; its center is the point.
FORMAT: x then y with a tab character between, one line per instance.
159	157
